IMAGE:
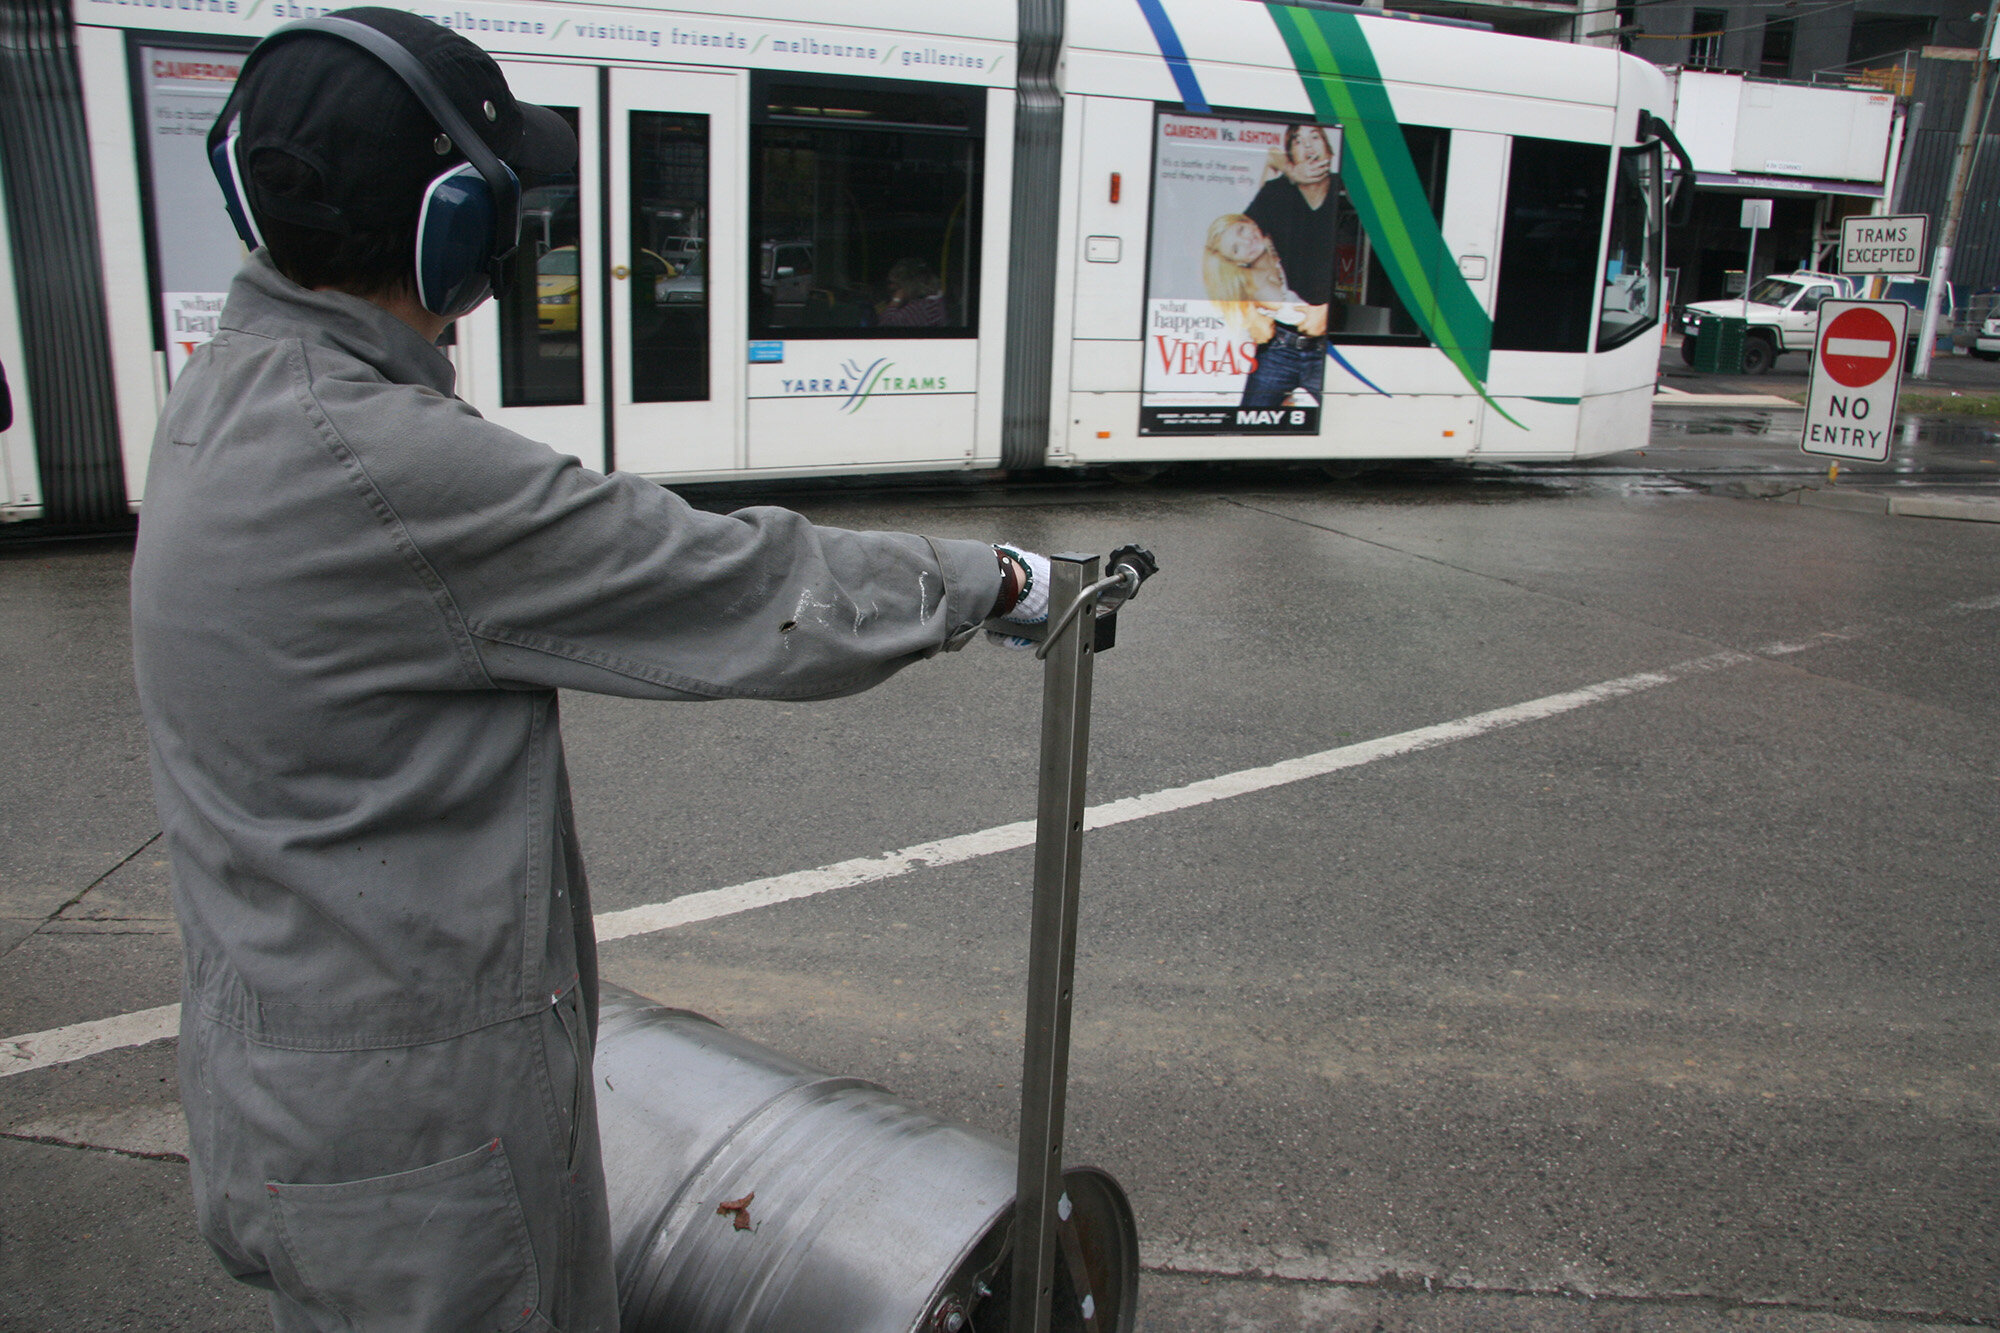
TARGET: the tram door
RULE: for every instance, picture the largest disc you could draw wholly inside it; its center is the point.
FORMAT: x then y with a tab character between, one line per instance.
533	359
606	343
20	480
677	226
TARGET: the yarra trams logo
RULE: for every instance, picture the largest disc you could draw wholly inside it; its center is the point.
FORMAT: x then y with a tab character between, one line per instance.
859	383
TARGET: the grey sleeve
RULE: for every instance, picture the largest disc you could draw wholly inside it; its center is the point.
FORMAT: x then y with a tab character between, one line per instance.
566	577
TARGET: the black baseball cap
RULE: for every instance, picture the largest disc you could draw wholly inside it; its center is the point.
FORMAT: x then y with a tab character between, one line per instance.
341	111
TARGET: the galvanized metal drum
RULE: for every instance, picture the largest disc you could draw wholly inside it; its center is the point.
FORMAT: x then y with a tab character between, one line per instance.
753	1193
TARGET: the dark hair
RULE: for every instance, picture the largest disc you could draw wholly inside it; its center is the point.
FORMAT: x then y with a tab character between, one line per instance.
1292	133
372	261
915	277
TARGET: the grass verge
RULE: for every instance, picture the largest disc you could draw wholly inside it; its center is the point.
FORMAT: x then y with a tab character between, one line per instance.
1934	403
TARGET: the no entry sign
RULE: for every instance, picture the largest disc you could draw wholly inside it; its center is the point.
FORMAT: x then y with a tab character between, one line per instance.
1857	369
1859	347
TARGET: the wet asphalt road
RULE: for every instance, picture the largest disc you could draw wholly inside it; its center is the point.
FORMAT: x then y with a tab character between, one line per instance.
1670	1009
1960	373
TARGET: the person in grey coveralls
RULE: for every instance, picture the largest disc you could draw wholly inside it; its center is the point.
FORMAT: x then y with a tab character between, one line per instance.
354	601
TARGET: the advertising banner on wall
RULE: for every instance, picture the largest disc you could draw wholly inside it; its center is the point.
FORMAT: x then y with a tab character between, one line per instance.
195	246
1243	242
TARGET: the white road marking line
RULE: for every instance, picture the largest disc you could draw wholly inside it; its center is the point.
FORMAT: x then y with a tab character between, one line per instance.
1819	640
1408	742
713	903
39	1050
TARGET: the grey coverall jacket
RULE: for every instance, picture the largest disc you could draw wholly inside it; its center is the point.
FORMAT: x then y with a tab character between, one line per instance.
353	602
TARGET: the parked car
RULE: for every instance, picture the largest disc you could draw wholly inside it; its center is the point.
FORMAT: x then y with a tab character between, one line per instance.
1986	343
557	286
1913	292
1783	314
687	287
785	271
680	251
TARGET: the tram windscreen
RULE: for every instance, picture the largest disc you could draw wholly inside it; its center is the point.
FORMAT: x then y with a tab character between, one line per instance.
1636	256
864	209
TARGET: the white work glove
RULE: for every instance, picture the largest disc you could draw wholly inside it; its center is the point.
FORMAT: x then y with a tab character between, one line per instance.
1033	606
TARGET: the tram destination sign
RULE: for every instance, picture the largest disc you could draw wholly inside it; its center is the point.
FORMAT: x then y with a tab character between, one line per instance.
1857	370
1884	245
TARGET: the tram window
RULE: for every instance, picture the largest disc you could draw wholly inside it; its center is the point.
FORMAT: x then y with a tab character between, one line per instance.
669	257
1548	245
1633	260
1366	306
541	312
864	208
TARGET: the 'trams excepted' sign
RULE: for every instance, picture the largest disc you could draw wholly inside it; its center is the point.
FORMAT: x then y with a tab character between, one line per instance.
1884	245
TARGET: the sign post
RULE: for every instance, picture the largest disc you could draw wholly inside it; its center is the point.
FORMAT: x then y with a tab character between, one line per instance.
1856	372
1884	245
1756	216
1970	136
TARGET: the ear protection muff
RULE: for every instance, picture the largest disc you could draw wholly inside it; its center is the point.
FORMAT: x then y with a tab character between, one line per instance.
469	221
456	227
223	159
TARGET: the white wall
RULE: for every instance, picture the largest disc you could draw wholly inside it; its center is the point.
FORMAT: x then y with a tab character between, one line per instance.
1829	133
1732	124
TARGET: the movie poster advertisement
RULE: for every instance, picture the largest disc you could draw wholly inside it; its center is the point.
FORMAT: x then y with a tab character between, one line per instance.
1241	276
197	249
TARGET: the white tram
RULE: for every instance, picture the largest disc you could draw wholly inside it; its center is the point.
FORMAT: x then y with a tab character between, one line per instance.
933	236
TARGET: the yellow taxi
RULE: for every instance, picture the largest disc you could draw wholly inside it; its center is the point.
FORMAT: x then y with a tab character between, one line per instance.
558	290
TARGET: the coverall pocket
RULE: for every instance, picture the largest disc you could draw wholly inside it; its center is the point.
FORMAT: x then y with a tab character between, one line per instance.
442	1247
565	1053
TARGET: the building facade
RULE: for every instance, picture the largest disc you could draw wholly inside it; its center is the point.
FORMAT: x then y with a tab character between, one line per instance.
1922	54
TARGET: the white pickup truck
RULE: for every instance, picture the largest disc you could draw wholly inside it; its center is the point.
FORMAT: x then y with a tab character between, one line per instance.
1783	311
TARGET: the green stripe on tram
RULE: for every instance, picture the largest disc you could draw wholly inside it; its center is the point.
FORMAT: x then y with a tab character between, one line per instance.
1344	85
